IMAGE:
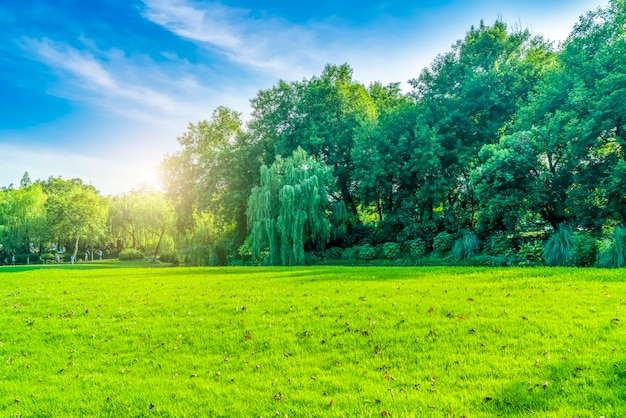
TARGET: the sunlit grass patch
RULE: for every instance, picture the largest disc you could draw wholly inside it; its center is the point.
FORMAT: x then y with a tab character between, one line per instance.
320	341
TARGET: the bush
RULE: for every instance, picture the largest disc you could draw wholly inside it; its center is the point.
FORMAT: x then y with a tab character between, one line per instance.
26	258
169	257
613	255
425	231
584	249
530	254
416	248
466	245
557	250
333	253
130	254
351	253
391	250
366	252
499	245
387	230
442	244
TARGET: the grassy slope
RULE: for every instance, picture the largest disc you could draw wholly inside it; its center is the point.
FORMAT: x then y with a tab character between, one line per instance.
332	341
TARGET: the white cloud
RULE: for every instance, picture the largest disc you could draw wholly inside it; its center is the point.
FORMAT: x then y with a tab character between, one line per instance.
268	44
211	25
118	84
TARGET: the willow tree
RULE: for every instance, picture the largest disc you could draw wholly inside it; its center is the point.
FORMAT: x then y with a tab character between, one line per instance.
288	214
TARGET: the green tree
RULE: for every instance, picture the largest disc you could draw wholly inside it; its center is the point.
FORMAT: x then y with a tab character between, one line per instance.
578	130
469	96
322	115
397	159
213	172
75	211
23	223
289	213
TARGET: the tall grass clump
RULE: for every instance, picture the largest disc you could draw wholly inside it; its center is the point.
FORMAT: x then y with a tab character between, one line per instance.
558	248
465	246
613	255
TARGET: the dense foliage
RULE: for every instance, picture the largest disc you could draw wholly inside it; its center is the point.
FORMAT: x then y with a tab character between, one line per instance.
508	150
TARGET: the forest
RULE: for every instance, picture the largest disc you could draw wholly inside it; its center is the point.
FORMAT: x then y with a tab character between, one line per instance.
507	150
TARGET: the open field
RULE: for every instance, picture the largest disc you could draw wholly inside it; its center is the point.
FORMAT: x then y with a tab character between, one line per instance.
100	340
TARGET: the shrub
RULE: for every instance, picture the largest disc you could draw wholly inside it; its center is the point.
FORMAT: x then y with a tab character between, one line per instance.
613	255
391	250
416	248
584	249
351	253
465	246
366	252
557	249
442	244
169	257
387	230
499	245
130	254
332	253
26	258
425	231
530	254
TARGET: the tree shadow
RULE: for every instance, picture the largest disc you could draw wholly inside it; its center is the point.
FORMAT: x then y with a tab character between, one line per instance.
564	386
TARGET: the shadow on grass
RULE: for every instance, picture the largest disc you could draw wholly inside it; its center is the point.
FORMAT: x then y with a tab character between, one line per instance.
89	265
584	390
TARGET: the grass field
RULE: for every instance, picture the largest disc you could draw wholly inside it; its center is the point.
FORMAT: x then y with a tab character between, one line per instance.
104	340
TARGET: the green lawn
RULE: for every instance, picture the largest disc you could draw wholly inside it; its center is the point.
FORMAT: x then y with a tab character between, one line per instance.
104	340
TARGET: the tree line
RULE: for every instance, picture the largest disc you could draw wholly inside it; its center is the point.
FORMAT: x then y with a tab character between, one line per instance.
508	150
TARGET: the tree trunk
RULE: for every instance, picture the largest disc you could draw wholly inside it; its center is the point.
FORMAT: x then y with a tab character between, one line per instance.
156	251
75	249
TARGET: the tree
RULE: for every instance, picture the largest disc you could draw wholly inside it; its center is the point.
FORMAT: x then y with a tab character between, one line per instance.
213	172
579	136
397	160
23	223
288	214
75	211
141	219
469	96
323	116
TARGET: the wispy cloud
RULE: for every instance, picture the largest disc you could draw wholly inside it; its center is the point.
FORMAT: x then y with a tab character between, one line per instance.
268	44
113	82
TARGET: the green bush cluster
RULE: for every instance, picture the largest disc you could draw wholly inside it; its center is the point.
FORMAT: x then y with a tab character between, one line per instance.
442	243
391	250
130	254
169	257
416	248
565	247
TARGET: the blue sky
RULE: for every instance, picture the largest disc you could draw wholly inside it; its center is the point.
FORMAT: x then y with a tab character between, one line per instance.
100	89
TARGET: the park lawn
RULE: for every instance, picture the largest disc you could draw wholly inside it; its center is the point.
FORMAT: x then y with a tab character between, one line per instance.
104	340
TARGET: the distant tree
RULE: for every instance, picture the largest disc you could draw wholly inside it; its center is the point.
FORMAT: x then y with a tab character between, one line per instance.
75	211
23	224
213	172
